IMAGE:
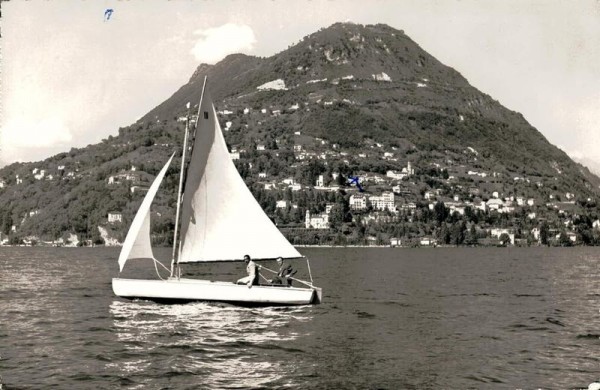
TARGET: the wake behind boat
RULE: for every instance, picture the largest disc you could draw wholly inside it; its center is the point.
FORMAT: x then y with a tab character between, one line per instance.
220	221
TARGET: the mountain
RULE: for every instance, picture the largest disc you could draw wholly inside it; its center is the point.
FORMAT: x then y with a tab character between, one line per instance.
348	99
590	164
375	82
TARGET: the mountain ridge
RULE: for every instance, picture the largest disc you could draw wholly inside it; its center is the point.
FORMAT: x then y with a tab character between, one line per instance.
247	72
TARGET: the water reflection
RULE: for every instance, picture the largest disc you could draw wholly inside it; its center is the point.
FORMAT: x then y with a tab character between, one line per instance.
221	345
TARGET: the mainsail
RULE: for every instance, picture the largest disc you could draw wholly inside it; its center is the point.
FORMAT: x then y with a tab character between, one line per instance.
221	220
137	244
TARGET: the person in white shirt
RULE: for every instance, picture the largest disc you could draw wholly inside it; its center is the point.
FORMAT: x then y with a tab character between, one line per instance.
252	270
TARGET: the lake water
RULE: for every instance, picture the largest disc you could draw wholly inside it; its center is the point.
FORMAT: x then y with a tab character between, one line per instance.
451	318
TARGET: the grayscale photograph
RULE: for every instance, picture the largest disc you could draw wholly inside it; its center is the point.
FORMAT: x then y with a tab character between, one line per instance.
311	194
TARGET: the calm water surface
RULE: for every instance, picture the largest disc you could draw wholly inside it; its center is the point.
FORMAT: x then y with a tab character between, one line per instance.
392	319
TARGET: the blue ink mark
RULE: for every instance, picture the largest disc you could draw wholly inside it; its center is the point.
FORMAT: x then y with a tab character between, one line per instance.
107	14
354	180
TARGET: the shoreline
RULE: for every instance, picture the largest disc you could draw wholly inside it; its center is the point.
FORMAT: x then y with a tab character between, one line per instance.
317	246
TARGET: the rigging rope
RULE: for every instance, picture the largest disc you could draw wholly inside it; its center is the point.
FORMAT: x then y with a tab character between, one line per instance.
309	273
309	284
156	268
261	275
270	270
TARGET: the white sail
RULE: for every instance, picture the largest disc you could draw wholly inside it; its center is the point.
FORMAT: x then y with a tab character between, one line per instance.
137	244
221	220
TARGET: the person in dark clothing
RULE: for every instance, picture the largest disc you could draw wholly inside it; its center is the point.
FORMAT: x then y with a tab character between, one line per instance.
284	274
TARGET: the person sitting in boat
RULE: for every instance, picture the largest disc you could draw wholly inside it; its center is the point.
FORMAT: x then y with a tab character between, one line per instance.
284	274
253	275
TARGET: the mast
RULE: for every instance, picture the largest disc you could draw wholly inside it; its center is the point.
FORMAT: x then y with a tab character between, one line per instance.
185	141
174	259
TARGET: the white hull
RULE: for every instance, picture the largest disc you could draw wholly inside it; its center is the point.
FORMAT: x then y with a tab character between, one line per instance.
174	289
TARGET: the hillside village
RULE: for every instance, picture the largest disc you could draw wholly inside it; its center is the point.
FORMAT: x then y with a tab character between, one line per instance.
438	195
353	136
331	195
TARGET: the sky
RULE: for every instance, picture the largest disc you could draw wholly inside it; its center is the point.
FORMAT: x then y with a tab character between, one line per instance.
73	72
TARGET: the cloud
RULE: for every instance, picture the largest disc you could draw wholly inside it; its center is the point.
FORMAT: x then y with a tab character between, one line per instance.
215	43
22	138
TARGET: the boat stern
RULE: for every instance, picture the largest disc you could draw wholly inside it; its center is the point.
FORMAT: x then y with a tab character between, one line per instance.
318	295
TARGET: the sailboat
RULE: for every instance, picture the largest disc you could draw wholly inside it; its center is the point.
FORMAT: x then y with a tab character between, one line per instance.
220	221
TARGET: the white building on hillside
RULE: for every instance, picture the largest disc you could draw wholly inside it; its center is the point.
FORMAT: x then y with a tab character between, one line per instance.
320	181
383	202
480	206
124	176
320	221
395	175
358	202
427	241
40	175
536	233
456	207
409	170
495	204
570	235
115	217
497	232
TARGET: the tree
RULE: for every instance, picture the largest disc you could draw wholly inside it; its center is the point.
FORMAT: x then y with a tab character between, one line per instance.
444	234
564	240
287	195
441	212
311	172
341	180
471	237
457	233
340	212
336	217
6	222
471	215
544	233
